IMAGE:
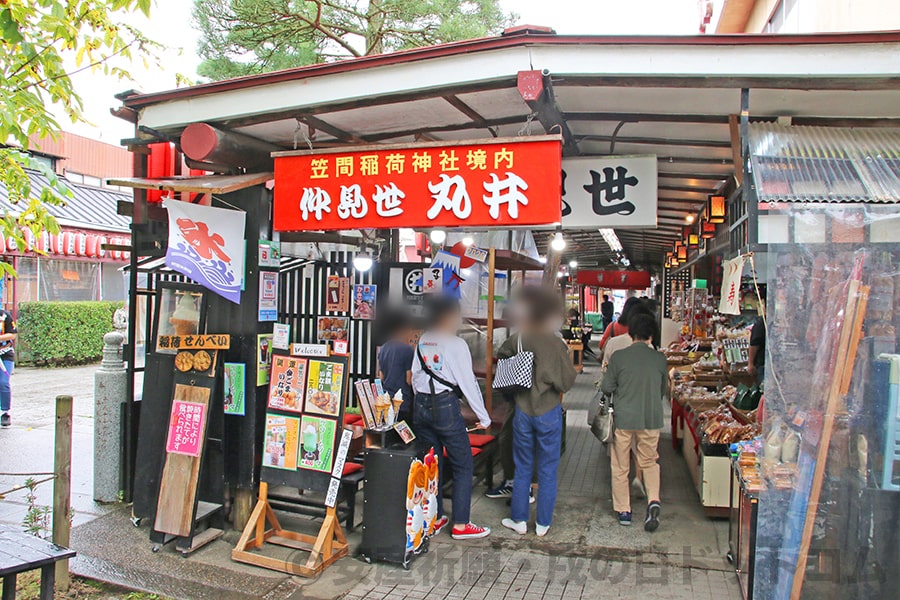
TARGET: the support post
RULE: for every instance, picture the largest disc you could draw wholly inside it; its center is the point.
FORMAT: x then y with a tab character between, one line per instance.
110	391
62	484
242	507
489	353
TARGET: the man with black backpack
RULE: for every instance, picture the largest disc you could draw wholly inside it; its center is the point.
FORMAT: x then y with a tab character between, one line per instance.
442	378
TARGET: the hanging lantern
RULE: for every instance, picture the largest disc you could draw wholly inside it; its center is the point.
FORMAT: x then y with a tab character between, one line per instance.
707	230
669	264
682	252
715	209
691	238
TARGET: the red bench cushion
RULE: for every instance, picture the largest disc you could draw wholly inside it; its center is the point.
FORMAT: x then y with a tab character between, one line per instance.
475	452
480	440
350	468
351	419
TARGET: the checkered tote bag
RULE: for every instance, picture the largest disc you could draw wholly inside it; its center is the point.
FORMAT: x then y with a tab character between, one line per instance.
516	372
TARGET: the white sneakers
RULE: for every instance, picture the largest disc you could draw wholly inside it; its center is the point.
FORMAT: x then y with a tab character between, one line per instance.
521	527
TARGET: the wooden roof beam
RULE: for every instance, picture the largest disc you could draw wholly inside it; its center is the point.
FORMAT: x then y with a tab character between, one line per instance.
470	112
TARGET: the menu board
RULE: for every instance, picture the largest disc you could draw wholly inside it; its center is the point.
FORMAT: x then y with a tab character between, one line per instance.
325	386
304	420
288	383
280	450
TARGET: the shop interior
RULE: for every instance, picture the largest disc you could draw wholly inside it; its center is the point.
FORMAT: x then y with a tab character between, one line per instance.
728	221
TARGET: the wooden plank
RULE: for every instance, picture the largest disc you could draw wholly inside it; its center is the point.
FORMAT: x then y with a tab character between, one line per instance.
209	184
204	537
854	313
289	543
178	484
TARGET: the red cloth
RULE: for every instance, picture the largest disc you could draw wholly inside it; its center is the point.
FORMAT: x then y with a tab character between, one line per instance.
351	419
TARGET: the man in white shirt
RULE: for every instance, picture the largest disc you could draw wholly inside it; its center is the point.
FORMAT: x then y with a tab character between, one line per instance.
442	377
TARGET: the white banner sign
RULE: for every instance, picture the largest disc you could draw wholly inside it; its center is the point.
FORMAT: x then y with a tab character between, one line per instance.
309	350
207	245
730	304
609	191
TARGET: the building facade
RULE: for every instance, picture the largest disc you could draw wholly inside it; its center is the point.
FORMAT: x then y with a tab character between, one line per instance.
799	16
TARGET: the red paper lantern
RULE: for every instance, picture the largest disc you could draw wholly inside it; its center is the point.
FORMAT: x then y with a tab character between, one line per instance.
707	230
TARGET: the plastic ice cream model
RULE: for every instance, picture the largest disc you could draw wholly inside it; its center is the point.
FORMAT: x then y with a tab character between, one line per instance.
397	401
185	317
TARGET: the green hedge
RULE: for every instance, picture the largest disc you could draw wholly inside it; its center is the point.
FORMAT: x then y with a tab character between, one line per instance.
63	333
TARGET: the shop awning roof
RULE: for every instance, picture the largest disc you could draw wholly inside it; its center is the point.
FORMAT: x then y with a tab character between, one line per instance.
89	208
825	164
209	184
675	97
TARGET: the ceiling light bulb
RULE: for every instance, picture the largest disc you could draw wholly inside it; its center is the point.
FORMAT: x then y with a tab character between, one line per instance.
573	264
438	236
468	241
363	261
689	219
542	260
559	242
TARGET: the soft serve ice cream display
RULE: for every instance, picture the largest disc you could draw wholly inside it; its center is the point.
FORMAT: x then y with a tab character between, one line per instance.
185	318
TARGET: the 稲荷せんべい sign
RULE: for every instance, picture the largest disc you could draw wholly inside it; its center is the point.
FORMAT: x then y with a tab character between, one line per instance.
505	182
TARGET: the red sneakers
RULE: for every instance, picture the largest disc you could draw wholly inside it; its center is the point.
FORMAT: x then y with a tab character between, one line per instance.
440	524
469	532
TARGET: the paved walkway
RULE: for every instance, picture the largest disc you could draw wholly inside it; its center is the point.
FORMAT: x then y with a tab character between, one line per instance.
586	555
27	446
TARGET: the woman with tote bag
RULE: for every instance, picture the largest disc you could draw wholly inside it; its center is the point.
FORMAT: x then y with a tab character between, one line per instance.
538	419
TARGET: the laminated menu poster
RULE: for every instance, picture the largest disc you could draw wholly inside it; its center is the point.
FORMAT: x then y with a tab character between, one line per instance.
281	442
235	387
364	301
324	388
288	383
317	443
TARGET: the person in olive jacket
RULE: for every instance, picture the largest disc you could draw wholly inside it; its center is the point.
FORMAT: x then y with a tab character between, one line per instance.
538	418
637	379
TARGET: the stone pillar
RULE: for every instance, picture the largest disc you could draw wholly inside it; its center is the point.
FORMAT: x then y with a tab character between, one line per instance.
110	385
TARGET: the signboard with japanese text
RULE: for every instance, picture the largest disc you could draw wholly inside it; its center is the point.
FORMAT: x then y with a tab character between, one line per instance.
207	245
186	427
337	294
609	191
510	182
209	341
615	280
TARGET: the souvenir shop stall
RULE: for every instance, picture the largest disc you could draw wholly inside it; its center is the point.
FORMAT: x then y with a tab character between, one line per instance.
818	492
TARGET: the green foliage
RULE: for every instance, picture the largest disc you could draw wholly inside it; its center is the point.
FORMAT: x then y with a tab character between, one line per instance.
37	517
38	40
243	37
63	333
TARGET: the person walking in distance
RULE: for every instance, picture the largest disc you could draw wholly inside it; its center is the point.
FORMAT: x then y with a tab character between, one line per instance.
607	310
637	379
8	335
442	378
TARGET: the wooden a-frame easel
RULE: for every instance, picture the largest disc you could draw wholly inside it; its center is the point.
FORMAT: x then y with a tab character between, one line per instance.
324	549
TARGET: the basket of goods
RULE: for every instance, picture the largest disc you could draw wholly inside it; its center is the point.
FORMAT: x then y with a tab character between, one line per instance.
745	402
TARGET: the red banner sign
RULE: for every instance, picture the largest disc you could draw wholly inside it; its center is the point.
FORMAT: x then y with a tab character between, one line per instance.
499	182
617	280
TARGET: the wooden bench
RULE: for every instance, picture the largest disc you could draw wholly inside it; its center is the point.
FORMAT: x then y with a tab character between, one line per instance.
20	552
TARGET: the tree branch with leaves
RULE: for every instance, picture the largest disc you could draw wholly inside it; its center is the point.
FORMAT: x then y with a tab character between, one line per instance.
43	43
243	37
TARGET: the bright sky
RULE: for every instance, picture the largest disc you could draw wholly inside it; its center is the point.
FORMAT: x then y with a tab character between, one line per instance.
170	24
